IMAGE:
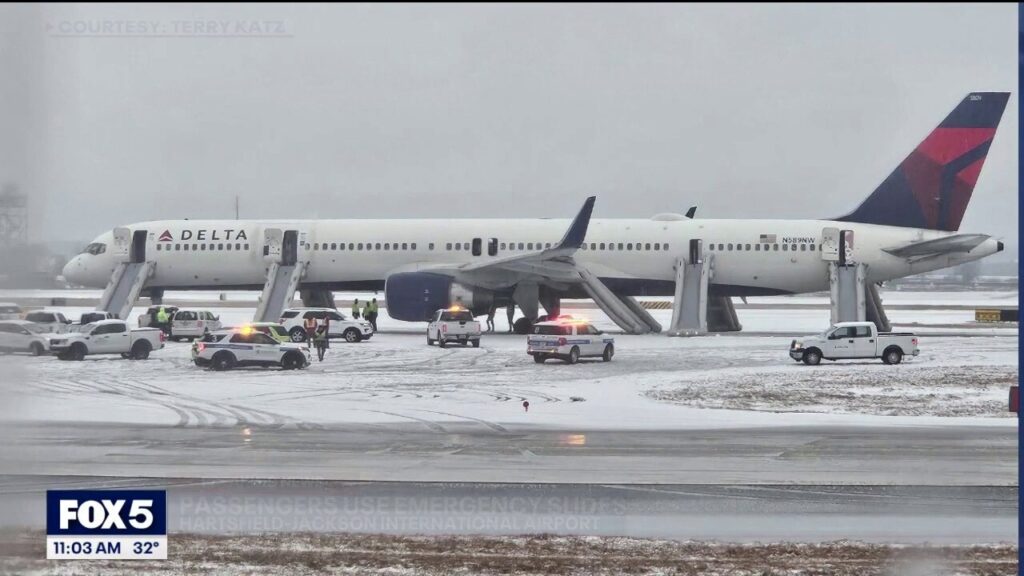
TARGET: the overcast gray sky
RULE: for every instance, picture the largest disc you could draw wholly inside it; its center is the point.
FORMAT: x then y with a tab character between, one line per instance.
116	114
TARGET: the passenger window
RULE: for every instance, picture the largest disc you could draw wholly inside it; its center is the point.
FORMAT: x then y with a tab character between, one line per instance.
775	247
629	246
647	246
803	247
529	246
387	246
448	246
729	246
748	247
376	246
430	246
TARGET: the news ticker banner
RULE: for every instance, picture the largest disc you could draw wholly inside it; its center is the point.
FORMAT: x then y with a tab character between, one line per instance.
106	525
133	524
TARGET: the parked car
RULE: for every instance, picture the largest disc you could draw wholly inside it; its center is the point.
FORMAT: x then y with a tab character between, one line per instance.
455	324
23	336
107	337
50	322
569	340
10	311
341	327
854	340
193	324
228	349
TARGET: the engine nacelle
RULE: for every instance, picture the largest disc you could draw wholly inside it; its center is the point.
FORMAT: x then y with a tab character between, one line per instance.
415	296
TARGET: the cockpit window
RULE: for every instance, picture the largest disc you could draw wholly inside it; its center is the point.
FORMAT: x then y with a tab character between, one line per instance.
96	248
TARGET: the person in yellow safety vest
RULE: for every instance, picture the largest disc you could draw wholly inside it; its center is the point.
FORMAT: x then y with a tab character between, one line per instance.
162	319
372	317
355	309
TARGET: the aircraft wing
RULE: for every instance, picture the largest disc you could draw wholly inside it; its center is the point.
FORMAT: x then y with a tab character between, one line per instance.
553	263
958	243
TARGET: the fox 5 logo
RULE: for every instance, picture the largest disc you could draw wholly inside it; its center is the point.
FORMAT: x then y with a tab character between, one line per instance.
106	512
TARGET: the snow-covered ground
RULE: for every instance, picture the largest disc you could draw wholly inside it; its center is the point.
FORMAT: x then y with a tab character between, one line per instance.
655	382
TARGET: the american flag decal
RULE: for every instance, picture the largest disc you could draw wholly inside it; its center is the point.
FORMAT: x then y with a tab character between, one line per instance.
767	238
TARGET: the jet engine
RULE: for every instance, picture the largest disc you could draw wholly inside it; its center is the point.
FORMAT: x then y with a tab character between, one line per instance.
415	296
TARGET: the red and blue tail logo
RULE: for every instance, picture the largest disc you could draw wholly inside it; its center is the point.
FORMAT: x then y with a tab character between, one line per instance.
932	187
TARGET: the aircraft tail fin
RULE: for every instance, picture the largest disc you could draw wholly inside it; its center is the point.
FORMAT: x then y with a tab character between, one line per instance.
932	187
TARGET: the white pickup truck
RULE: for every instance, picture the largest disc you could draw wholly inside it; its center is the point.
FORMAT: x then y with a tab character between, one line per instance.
854	340
107	337
453	325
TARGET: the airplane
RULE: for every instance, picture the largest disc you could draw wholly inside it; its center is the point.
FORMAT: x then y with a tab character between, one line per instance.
908	225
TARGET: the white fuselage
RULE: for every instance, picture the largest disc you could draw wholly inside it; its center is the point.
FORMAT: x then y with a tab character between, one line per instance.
342	254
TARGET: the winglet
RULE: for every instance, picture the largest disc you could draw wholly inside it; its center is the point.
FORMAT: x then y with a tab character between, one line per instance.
578	229
691	212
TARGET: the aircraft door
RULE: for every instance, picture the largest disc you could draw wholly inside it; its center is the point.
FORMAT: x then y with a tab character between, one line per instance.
138	249
846	247
121	246
477	246
830	244
290	248
697	251
272	239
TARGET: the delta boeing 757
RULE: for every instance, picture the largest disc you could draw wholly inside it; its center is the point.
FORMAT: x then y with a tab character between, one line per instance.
908	225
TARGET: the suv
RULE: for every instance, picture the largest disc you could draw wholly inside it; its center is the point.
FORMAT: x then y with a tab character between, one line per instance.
51	322
341	327
227	349
193	324
569	340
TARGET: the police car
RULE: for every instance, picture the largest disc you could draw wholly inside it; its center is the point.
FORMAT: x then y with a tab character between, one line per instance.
227	349
569	340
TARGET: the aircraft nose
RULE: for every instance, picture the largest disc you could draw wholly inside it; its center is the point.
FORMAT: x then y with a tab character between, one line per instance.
74	270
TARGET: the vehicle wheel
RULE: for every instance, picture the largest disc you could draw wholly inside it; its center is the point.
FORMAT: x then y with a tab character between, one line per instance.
476	343
352	335
141	349
36	349
539	359
442	342
522	326
429	341
77	352
812	357
892	356
609	351
574	355
223	361
297	334
292	361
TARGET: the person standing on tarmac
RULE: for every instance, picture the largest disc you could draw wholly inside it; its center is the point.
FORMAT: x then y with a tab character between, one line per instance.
163	320
490	317
355	309
510	311
309	323
321	338
373	314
